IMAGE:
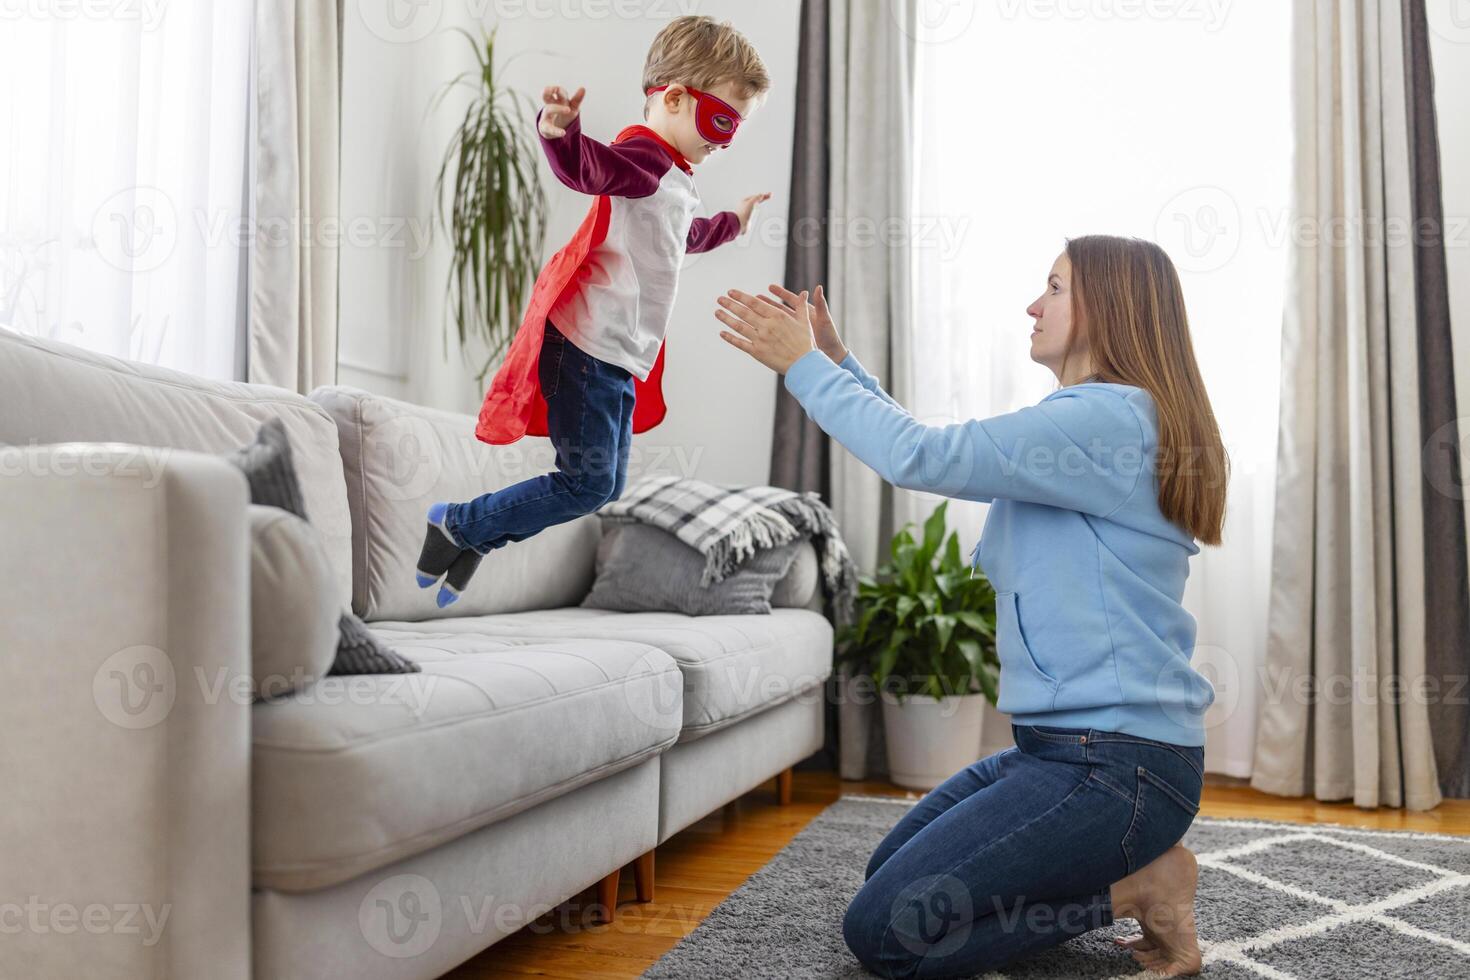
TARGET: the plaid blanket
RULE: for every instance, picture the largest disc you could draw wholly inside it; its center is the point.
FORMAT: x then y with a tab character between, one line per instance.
728	524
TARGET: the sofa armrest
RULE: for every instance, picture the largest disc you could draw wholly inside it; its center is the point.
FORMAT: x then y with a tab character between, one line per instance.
124	611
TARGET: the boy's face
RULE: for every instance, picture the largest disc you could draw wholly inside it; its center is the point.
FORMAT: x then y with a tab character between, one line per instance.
673	114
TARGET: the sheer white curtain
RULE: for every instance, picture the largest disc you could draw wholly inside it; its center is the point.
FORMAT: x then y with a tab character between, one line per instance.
123	146
1043	121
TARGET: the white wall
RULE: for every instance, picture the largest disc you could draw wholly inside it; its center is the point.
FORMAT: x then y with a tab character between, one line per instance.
396	56
1450	49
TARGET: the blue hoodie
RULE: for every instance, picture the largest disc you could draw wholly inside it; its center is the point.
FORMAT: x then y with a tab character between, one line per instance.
1089	574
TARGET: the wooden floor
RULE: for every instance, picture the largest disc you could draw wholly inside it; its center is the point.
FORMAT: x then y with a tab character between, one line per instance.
699	867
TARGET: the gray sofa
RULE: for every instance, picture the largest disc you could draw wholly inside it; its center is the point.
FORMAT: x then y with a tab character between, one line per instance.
163	821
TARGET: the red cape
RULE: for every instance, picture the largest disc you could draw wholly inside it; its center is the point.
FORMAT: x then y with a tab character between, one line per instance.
514	406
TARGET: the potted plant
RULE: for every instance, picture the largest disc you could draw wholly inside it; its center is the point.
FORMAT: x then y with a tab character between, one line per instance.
924	628
492	206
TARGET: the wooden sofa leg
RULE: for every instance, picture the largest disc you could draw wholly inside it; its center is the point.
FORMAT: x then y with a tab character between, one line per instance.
643	876
607	896
783	787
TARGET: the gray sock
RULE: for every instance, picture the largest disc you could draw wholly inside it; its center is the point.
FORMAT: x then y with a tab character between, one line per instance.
439	550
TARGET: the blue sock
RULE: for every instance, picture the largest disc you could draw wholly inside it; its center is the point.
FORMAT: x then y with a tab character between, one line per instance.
439	550
457	579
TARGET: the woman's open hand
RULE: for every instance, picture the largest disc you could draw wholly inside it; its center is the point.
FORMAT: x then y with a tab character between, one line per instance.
772	333
824	330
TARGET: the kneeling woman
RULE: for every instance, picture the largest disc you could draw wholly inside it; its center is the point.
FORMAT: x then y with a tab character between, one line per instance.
1099	493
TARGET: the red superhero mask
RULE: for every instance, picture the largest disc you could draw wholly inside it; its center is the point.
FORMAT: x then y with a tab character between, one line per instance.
714	119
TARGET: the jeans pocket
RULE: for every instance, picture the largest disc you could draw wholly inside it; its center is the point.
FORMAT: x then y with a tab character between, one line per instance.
1075	736
1162	812
548	365
1191	806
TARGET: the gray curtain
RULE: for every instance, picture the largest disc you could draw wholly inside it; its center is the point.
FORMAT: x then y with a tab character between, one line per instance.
1353	542
868	277
855	79
851	184
870	130
1446	581
296	115
800	450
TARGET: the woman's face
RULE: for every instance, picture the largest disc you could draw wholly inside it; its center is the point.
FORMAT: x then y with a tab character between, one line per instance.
1052	311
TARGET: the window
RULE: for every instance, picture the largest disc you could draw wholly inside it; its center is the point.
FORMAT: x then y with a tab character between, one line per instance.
123	149
1169	121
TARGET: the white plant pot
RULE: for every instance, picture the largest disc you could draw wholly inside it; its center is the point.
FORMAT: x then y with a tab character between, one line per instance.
931	739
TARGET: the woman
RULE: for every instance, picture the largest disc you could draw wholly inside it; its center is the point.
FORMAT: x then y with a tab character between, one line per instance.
1098	494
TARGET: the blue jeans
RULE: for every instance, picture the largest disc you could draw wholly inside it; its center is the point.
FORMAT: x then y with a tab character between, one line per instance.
589	417
1017	852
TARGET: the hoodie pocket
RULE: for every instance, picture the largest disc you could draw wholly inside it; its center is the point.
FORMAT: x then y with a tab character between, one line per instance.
1024	687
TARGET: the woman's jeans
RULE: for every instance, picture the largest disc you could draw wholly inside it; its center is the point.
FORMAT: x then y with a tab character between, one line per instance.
589	417
1017	852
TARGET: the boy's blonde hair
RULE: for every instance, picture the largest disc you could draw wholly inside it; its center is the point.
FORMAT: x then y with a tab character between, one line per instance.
702	52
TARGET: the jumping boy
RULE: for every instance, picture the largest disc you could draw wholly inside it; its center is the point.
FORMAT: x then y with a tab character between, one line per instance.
586	365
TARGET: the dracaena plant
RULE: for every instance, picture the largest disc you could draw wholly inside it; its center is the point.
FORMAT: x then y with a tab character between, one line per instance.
924	624
491	205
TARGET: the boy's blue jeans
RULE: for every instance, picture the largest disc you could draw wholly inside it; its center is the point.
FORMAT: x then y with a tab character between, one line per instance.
589	417
1018	852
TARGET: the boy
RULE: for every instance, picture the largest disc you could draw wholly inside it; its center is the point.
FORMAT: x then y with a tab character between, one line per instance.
586	365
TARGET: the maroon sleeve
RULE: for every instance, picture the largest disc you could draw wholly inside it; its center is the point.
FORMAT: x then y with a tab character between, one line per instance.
708	233
632	168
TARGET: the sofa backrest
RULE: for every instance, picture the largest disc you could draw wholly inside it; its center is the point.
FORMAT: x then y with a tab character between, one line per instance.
399	459
52	392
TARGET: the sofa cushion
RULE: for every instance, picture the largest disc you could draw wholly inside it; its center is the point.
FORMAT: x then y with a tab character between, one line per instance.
353	773
642	568
58	393
293	615
399	459
733	666
268	468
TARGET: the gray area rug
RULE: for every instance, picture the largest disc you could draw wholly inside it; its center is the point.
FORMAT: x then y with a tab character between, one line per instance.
1276	900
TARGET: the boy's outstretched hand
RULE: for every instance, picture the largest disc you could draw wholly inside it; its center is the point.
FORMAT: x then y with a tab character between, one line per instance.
559	111
747	207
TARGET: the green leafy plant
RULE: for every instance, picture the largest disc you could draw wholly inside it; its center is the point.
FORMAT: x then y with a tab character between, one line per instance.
494	211
924	624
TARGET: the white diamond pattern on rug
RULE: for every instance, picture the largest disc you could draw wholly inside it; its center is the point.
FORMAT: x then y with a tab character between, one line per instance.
1276	901
1365	951
1450	919
1229	907
1217	836
1319	865
1363	894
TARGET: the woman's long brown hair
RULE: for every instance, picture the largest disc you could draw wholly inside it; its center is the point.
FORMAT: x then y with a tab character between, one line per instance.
1127	302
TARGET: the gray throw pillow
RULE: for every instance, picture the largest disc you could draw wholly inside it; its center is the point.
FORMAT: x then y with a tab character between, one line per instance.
641	568
268	469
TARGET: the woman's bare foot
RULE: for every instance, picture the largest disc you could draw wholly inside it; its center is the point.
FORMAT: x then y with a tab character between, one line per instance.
1161	897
